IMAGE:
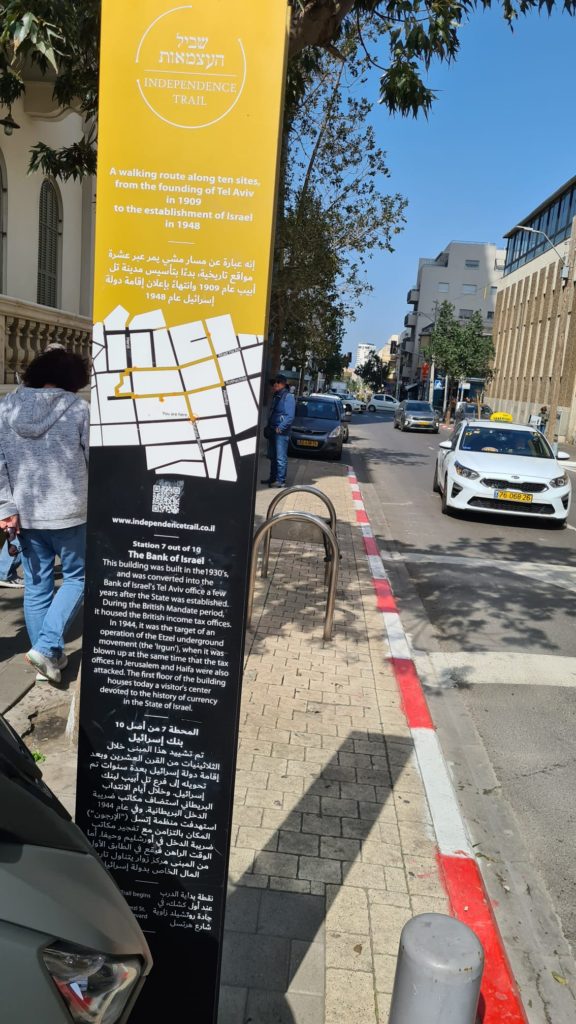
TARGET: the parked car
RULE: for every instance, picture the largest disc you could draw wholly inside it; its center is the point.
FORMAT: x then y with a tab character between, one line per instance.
413	415
379	403
352	403
502	467
345	416
469	411
317	427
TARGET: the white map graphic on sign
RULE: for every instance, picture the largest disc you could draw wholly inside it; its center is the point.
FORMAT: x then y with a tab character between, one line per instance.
188	394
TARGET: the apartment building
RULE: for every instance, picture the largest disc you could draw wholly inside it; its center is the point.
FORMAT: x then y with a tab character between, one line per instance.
534	331
363	352
465	274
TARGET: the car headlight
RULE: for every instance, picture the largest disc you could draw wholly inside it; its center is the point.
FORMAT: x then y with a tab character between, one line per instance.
559	481
336	432
470	474
95	987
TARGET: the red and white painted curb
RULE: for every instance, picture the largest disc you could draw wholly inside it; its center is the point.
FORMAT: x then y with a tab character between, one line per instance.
469	901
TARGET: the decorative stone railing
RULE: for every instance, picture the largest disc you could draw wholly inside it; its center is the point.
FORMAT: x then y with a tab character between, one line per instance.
27	329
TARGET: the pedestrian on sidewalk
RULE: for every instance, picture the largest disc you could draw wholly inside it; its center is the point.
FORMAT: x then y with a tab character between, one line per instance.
9	563
277	430
43	496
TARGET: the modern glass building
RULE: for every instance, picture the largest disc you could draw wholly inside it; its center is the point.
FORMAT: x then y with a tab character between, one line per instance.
553	217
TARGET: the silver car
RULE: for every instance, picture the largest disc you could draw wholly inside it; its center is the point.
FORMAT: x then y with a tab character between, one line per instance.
414	415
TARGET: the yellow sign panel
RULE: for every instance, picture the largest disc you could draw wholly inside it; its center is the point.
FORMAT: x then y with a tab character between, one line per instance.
502	417
190	107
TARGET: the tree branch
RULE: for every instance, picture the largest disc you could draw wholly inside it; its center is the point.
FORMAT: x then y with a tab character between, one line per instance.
316	23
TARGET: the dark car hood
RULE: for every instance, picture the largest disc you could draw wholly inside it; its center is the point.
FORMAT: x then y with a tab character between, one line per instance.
312	423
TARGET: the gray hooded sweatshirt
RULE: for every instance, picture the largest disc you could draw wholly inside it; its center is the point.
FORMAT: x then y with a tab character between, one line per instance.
44	458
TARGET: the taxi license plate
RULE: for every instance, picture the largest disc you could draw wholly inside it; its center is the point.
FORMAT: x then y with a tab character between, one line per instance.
307	444
513	496
423	423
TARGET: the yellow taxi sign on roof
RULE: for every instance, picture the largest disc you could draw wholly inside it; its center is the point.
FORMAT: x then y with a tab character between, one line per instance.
502	417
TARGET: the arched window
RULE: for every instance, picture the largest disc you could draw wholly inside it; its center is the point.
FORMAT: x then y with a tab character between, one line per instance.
49	245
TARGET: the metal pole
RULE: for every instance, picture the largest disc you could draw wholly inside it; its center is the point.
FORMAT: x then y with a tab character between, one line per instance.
432	372
298	517
438	974
567	285
299	488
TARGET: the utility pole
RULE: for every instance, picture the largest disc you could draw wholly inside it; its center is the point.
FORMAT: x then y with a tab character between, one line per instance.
567	279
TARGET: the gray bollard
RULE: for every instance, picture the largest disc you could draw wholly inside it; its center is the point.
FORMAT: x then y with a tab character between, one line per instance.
438	975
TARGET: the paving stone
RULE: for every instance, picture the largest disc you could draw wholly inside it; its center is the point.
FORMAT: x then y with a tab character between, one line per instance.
347	910
320	825
242	908
349	997
276	864
232	1005
385	970
348	951
291	1008
386	924
255	961
319	869
299	885
339	849
291	914
339	808
256	838
298	842
307	968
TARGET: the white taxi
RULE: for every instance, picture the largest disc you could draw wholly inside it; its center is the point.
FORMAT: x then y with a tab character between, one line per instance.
496	466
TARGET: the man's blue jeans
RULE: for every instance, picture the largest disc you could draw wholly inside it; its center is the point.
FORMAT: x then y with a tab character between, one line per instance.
48	615
278	455
9	563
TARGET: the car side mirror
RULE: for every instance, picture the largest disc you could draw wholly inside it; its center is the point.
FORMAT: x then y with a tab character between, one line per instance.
446	445
563	456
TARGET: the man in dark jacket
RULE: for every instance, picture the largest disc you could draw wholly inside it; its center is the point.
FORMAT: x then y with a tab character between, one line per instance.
280	420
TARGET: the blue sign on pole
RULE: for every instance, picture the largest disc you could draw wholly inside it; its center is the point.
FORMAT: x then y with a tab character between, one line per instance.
438	384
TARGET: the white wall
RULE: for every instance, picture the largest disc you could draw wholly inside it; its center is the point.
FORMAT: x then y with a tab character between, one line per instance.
21	207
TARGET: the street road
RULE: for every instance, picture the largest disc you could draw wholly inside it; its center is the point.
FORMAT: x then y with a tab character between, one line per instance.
489	604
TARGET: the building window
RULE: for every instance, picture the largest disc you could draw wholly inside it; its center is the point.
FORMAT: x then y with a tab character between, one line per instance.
493	289
49	245
469	289
490	314
465	314
471	264
443	286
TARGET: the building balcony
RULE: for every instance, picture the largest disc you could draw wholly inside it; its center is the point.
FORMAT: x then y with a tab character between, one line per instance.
27	329
413	296
410	320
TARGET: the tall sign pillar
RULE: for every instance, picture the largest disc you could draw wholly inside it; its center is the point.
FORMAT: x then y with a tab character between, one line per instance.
189	128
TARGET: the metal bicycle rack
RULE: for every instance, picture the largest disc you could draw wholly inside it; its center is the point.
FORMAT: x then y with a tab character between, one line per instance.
329	537
299	489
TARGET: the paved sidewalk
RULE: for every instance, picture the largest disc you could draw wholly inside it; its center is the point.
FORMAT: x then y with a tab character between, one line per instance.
332	842
332	846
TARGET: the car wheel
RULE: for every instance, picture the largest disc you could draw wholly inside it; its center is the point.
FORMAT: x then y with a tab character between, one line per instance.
436	430
435	484
403	427
446	510
395	424
338	456
371	408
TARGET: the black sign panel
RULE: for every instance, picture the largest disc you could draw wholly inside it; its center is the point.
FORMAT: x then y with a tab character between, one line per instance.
163	650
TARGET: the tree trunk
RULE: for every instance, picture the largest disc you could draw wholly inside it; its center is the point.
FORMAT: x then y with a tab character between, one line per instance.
316	23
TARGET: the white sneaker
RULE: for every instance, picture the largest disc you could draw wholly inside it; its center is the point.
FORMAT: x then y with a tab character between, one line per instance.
14	584
61	662
47	666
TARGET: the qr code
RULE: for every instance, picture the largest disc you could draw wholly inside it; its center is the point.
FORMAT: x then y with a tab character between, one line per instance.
166	496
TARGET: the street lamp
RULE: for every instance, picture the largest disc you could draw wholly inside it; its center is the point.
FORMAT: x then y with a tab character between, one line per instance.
567	264
537	231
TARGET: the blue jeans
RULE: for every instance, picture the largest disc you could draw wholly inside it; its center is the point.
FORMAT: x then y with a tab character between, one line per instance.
9	563
48	615
278	455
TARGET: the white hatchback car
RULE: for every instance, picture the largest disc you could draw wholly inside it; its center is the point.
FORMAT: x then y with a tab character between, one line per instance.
380	402
502	467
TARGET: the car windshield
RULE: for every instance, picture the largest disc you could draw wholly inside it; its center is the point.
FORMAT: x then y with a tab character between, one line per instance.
418	407
499	441
316	409
468	410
